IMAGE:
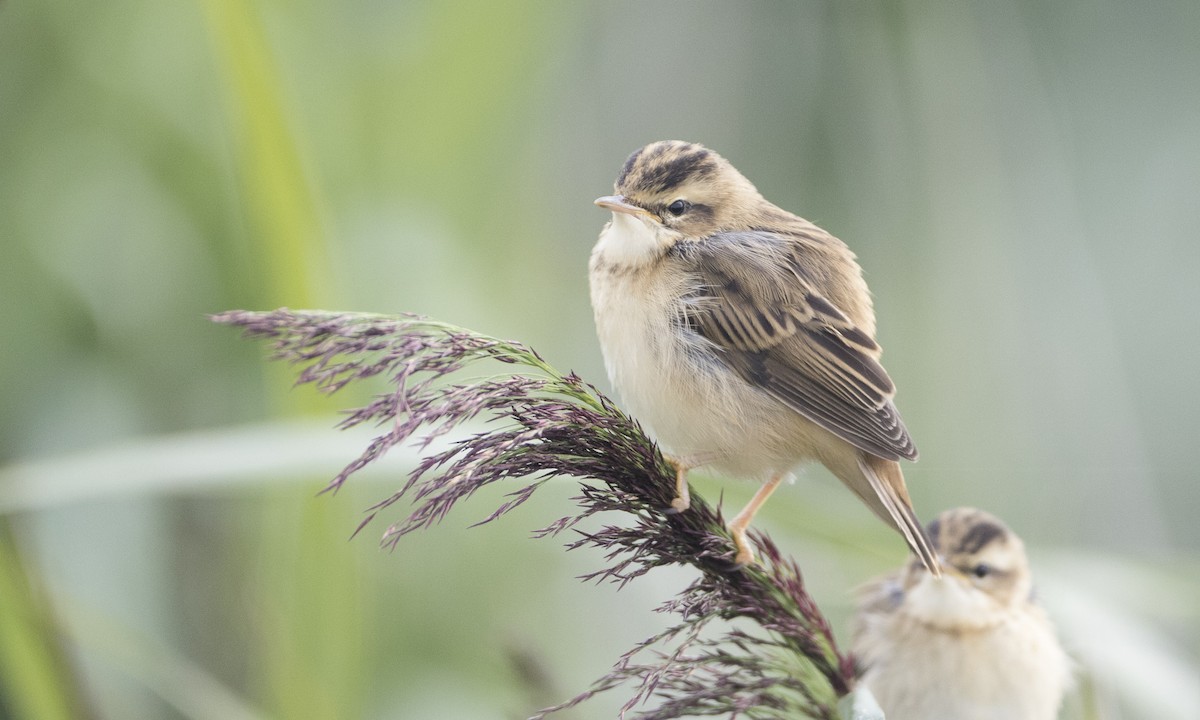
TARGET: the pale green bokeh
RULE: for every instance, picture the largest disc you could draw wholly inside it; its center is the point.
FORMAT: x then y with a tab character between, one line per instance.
1019	181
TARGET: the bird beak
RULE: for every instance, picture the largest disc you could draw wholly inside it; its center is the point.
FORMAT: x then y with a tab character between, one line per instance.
618	204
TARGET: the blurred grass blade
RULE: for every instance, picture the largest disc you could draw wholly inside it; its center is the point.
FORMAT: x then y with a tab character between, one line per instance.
313	660
1116	644
280	205
312	665
191	462
181	683
35	681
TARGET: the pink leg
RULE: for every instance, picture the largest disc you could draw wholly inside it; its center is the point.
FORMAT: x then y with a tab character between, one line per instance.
683	497
737	526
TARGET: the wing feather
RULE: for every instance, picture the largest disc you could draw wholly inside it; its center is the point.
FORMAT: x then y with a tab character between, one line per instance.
779	333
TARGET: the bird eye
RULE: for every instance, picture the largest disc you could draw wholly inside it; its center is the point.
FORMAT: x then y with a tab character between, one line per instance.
981	570
678	207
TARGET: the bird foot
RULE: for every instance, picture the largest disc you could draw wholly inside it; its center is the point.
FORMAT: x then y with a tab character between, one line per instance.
683	496
745	555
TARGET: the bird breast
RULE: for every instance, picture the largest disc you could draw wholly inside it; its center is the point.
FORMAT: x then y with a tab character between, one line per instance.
1012	669
672	380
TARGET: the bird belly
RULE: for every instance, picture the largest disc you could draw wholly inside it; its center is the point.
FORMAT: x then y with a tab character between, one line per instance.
672	381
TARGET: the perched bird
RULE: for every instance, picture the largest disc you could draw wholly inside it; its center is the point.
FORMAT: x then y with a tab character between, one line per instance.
743	336
972	645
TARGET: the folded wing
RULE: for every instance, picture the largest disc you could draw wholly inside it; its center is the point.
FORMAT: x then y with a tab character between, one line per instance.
779	334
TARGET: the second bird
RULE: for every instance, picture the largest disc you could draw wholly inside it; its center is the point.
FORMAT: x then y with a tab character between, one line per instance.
743	336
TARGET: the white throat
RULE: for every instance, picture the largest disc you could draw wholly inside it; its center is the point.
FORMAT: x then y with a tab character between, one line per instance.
948	603
629	240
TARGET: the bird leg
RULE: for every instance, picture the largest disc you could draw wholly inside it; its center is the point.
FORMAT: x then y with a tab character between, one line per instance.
683	497
737	526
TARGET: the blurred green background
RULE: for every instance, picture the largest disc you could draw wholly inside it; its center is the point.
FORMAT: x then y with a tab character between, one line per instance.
1019	180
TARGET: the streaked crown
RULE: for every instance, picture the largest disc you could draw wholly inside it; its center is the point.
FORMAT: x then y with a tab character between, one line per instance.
984	552
690	188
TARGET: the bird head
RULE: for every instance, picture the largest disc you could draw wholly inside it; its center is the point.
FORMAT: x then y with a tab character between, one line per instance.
683	191
986	573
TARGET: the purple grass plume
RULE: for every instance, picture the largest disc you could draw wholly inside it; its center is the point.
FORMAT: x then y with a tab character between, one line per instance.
772	655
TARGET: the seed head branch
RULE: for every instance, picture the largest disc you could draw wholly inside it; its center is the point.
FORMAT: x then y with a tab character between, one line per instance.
774	657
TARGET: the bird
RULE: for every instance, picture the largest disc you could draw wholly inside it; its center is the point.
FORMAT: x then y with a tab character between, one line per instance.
743	337
971	645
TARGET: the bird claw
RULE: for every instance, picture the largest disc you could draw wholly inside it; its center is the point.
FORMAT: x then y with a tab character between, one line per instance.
745	556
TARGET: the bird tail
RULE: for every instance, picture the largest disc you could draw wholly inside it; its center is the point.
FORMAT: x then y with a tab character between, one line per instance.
891	502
